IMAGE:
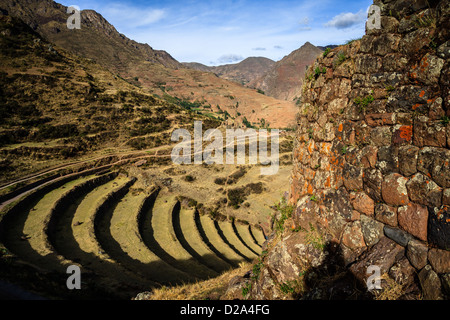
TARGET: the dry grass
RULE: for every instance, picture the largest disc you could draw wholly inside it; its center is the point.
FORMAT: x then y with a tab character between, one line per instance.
211	289
392	291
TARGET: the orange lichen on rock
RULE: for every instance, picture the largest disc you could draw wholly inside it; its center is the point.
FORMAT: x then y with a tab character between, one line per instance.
406	132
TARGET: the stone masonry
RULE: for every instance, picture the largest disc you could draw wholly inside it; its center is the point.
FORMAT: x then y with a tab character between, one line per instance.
372	158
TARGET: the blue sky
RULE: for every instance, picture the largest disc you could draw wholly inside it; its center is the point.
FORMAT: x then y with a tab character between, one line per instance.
218	32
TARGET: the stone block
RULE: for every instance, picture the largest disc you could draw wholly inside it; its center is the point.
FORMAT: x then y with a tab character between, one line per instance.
375	120
385	43
353	177
388	159
436	112
429	69
413	218
430	283
414	41
402	135
446	197
429	133
339	210
445	279
407	159
372	230
400	236
416	252
335	106
403	98
435	164
407	24
386	214
369	156
383	254
373	180
402	272
423	190
393	62
362	203
439	227
352	236
381	136
394	190
366	64
439	260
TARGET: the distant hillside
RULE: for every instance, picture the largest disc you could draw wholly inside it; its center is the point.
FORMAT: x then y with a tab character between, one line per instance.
330	46
154	71
97	39
56	106
243	72
198	66
285	79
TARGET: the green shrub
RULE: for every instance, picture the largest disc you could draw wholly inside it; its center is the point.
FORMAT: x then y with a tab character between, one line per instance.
319	71
236	197
47	131
220	181
287	287
247	123
445	120
364	102
285	212
138	143
341	58
246	289
314	238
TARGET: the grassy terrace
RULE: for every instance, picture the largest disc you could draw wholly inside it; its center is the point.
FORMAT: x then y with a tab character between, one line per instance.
125	237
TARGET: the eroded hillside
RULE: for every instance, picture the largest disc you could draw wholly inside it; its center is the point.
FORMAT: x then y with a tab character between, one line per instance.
88	180
57	106
153	70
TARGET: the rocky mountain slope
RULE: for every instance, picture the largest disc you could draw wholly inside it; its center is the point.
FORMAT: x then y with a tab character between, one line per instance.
285	79
243	72
55	106
155	71
97	39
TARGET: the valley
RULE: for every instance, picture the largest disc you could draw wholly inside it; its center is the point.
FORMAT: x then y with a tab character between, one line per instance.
86	175
111	160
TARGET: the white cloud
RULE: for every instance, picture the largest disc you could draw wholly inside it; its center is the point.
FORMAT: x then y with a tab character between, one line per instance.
132	16
203	31
346	20
304	21
304	24
230	58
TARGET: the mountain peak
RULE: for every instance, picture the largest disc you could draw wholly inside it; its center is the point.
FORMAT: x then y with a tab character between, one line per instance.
243	72
98	39
285	79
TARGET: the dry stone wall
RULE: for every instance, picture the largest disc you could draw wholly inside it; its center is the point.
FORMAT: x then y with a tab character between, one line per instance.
371	168
373	141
